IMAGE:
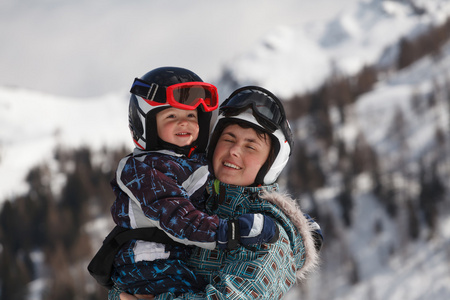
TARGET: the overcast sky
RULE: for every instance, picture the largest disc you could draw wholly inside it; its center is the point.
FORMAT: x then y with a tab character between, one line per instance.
87	48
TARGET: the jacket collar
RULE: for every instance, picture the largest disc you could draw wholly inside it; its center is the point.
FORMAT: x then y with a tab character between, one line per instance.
234	200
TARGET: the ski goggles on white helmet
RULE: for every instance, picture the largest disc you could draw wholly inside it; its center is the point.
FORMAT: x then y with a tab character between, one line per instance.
266	108
186	95
259	108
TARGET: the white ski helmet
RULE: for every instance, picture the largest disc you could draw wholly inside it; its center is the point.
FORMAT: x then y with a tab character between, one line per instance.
167	87
260	109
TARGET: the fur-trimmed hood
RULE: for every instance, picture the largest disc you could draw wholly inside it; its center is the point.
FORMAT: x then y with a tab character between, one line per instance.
290	207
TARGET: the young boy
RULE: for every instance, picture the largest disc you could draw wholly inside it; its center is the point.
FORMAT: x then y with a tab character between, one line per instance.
161	184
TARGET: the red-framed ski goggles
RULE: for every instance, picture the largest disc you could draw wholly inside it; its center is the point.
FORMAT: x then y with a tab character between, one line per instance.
186	95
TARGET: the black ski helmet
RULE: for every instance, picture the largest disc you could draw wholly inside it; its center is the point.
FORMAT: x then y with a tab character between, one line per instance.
142	115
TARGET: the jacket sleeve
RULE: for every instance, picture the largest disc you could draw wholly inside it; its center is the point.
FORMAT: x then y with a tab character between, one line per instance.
157	199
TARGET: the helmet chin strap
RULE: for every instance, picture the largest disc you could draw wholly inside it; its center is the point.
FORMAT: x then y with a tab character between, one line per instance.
262	173
185	150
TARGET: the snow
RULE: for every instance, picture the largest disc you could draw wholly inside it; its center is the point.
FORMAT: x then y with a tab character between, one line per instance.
380	106
37	122
423	276
36	289
80	69
284	58
308	52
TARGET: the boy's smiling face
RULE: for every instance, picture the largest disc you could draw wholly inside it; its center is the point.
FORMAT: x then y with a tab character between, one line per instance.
177	126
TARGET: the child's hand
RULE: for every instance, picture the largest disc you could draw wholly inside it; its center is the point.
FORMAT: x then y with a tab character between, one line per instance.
248	229
257	229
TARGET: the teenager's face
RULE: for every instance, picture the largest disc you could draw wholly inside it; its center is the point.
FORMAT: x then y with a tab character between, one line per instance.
177	126
239	154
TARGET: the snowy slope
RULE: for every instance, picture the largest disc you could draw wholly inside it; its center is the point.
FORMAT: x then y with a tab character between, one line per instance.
388	264
294	59
395	93
33	124
388	267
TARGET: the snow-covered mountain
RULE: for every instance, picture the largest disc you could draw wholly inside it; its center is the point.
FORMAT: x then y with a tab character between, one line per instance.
292	60
33	124
387	264
372	259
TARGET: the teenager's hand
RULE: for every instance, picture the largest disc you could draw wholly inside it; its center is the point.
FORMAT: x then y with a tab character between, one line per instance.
316	232
125	296
248	229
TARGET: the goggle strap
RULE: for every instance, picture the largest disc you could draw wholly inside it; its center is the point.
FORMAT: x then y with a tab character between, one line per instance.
148	91
152	91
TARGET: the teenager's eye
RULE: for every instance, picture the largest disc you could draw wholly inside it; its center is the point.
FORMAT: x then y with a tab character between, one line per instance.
228	140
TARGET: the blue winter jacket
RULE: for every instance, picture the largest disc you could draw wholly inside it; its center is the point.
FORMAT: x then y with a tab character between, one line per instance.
165	190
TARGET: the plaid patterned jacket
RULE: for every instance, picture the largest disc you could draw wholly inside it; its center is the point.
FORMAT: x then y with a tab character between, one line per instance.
263	272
